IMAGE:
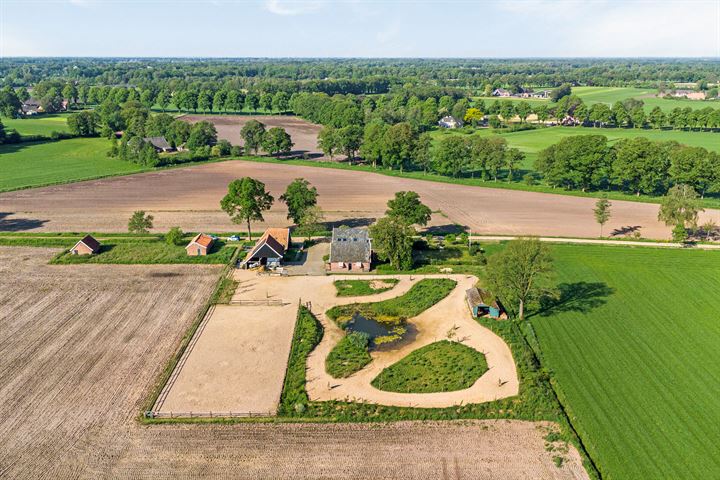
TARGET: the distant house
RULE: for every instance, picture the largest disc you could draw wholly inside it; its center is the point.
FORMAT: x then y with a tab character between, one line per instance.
86	246
450	122
501	92
689	94
541	94
569	121
200	245
31	106
159	143
350	249
482	304
269	249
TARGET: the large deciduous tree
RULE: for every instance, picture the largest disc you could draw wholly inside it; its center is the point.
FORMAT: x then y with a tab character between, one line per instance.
520	272
277	141
407	207
299	197
392	241
252	134
246	201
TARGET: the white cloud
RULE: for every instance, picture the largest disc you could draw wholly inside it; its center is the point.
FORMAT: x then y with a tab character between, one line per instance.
292	7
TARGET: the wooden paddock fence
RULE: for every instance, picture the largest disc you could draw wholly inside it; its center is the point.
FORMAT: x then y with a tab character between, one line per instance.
154	414
258	303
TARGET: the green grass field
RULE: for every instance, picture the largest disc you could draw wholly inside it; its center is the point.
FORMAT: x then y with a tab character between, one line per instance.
532	141
442	366
38	125
353	288
633	348
610	95
26	165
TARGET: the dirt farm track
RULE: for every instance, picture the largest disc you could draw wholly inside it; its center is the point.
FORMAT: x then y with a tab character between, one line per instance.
190	197
82	345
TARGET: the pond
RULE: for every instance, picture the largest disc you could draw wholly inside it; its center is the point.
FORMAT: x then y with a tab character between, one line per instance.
374	329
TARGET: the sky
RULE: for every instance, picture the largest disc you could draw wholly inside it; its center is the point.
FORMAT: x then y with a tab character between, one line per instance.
360	28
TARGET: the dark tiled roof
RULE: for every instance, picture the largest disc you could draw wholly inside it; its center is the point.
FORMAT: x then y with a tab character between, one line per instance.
158	142
350	245
92	244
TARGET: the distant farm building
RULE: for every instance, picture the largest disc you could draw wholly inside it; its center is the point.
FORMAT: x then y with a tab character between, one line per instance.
450	122
350	249
87	246
159	143
200	245
481	304
31	107
569	121
501	92
541	94
269	249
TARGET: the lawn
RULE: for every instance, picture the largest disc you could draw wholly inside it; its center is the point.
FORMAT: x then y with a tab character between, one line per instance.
421	296
38	125
27	165
633	348
123	248
348	356
147	251
442	366
357	288
610	95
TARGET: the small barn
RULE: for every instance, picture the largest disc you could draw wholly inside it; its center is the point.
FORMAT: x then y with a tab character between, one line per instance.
200	245
350	249
450	122
482	304
269	249
86	246
160	144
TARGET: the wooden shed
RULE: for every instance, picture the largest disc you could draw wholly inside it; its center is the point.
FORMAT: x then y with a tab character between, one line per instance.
200	245
86	246
482	304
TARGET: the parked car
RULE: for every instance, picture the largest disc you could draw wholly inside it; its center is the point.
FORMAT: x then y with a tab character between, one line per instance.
234	238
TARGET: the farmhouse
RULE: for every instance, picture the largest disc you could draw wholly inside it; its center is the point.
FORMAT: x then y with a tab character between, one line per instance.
351	249
200	245
501	92
483	305
159	143
689	94
269	249
31	106
87	246
541	94
450	122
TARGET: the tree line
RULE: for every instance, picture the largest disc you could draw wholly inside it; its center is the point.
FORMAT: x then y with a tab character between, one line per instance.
634	165
358	76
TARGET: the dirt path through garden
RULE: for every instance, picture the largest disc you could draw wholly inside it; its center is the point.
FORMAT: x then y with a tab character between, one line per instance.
500	381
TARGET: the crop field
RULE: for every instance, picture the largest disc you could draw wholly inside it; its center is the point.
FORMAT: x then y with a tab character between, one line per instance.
190	198
83	345
633	344
303	133
37	125
26	165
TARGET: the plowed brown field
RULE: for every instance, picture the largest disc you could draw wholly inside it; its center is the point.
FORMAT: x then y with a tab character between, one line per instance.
190	197
303	133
